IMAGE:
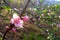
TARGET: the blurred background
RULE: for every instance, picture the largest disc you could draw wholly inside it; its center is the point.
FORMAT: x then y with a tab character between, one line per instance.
44	21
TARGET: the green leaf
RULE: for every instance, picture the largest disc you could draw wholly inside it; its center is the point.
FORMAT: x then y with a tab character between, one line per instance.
25	36
7	7
41	0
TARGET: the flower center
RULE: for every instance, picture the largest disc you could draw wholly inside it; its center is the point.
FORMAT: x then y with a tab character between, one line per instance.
16	20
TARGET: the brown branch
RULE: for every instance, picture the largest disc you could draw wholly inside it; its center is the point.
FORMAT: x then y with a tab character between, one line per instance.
10	6
24	8
11	26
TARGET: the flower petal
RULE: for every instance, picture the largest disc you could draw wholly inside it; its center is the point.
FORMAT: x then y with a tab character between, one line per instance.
21	26
12	21
25	18
15	16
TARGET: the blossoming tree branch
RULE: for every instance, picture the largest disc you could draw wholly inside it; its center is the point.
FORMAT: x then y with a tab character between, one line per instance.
17	21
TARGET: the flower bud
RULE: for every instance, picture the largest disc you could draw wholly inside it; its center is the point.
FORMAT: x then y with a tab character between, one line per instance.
25	18
7	27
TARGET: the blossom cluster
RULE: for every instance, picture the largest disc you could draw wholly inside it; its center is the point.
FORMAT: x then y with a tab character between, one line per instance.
18	21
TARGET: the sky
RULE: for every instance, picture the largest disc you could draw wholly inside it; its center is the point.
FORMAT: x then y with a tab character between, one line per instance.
57	0
53	0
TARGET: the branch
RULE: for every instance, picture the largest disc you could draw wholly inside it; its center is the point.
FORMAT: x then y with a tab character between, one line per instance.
11	25
1	16
10	6
24	8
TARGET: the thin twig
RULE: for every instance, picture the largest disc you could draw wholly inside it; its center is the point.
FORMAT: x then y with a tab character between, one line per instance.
24	8
10	6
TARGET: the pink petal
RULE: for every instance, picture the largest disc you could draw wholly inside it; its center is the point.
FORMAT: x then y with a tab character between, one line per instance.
25	18
21	26
12	21
21	21
18	25
15	16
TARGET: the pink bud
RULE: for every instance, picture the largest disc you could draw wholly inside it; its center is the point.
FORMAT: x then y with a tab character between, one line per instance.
13	30
25	18
7	27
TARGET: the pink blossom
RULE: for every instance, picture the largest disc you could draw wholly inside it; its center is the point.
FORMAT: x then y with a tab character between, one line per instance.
25	18
7	27
17	21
